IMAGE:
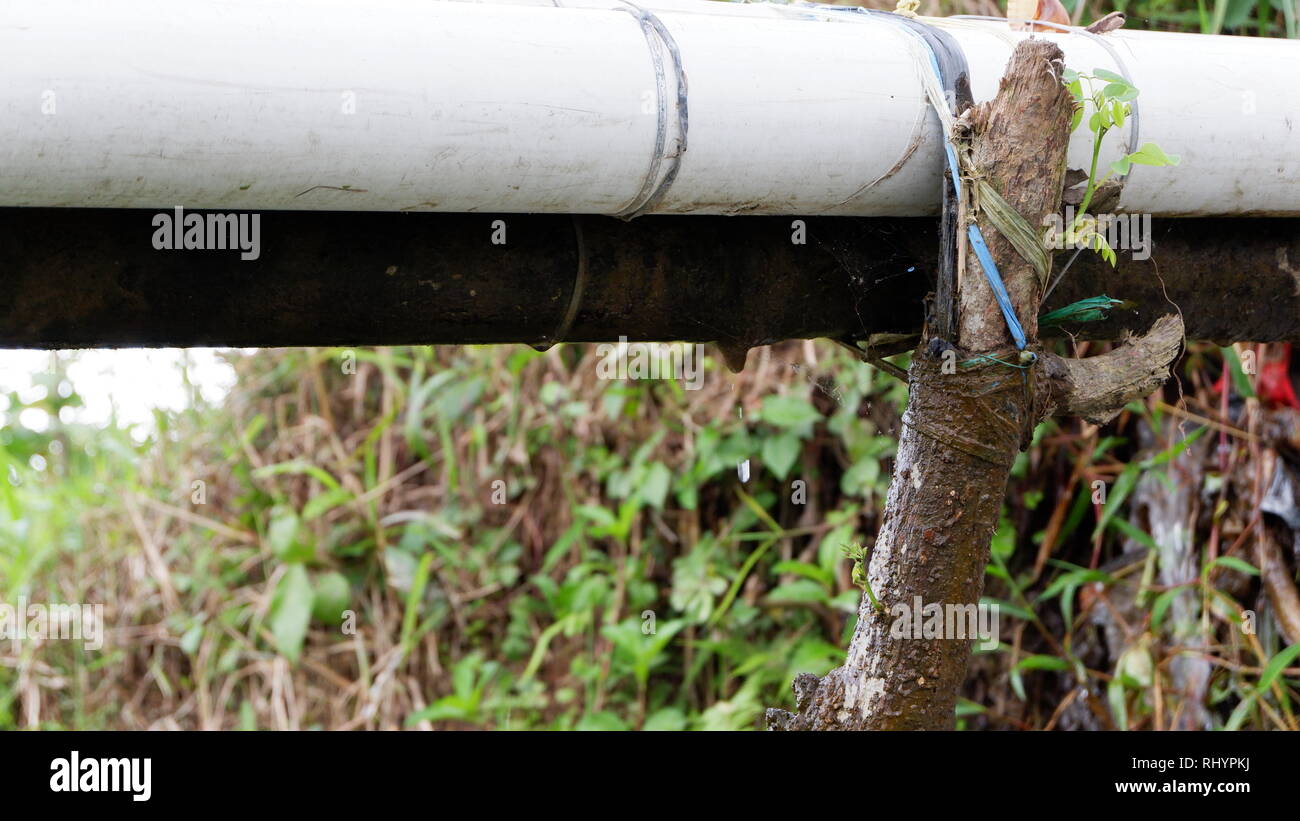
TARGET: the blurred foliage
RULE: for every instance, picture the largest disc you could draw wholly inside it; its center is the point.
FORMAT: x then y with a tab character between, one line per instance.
497	538
624	545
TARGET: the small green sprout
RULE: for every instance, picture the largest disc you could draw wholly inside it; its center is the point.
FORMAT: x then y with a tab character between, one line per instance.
859	555
1111	98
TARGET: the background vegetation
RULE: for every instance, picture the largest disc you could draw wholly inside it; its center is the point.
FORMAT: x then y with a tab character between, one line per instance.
325	491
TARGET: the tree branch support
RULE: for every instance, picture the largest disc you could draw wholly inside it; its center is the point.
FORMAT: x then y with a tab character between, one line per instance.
972	406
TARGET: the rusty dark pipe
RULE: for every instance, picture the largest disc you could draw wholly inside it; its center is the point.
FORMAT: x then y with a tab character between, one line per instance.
92	278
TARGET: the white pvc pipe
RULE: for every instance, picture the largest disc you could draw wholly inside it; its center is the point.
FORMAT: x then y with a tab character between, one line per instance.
522	107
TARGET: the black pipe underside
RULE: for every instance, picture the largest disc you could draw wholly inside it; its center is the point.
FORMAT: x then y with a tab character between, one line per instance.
92	278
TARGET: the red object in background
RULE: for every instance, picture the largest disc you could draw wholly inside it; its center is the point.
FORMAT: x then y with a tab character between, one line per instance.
1273	384
1053	12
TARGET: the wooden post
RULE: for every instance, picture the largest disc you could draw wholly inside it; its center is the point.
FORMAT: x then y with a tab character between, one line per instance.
972	406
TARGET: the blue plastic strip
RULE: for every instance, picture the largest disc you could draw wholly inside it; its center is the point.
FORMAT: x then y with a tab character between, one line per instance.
995	282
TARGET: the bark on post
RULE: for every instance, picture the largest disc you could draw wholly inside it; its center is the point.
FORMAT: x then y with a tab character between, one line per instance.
963	428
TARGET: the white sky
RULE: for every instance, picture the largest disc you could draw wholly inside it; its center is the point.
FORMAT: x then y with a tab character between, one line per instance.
132	380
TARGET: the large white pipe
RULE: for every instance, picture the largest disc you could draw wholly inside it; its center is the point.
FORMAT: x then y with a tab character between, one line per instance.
521	107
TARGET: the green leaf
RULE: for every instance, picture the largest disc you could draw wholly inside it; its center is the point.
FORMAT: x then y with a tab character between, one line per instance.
399	569
799	590
1098	243
1118	111
1118	706
1152	154
808	571
1110	77
1240	714
291	612
1118	493
414	598
1134	532
254	427
654	487
450	708
1237	13
598	516
1233	563
1135	667
814	655
1091	309
1006	608
1239	379
1042	662
456	399
789	412
696	583
1276	665
1017	684
297	468
192	639
1169	454
286	537
997	572
330	598
861	476
282	530
604	721
669	719
1161	605
781	452
830	551
324	502
1003	544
